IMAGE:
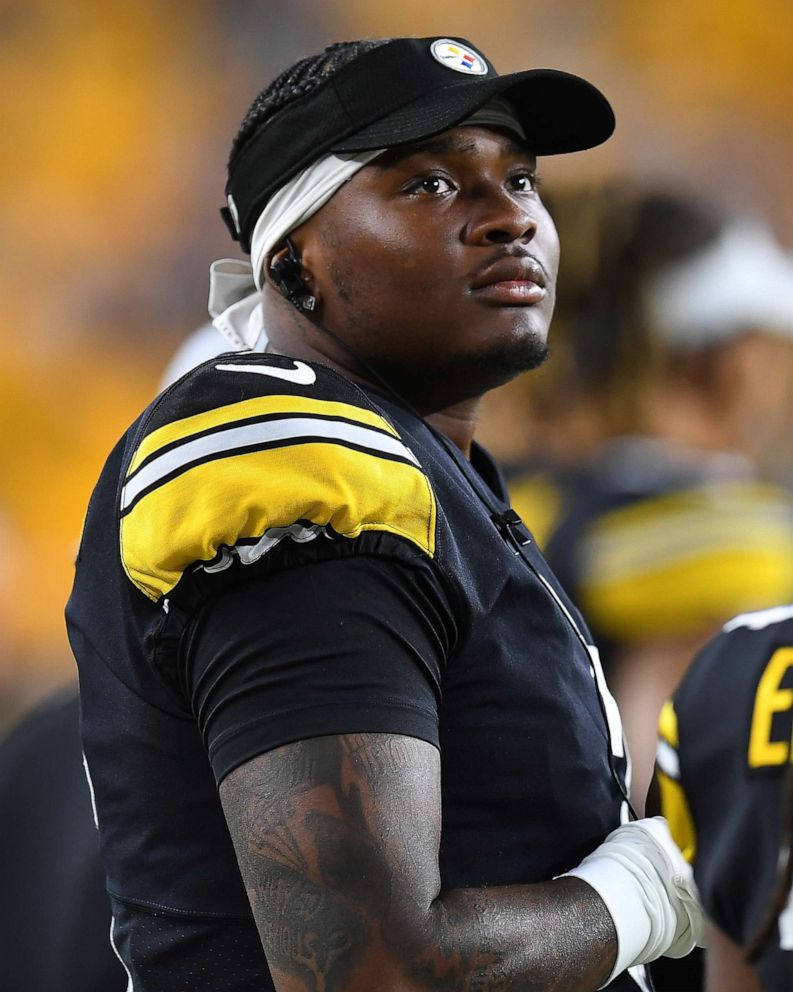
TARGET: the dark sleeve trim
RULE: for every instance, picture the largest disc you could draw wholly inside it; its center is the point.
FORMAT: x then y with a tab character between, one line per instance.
242	744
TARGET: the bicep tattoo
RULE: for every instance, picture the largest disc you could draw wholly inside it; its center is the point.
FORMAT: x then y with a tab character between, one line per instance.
333	834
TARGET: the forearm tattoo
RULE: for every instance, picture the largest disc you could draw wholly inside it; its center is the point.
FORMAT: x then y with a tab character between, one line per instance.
337	839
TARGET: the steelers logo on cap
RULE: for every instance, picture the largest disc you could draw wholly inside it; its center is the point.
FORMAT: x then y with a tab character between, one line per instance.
458	57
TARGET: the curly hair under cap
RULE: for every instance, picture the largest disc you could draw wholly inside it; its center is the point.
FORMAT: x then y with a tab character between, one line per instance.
296	81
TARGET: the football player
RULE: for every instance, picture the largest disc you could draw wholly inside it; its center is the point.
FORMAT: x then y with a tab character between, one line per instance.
724	760
307	621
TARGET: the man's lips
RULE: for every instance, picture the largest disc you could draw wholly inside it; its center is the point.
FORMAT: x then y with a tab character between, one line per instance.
511	280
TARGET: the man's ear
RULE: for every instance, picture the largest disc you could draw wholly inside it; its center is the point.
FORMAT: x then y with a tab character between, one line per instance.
286	271
275	256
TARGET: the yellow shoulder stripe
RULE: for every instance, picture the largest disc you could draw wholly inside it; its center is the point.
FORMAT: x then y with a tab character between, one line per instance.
690	594
677	563
674	806
256	407
242	498
667	724
674	802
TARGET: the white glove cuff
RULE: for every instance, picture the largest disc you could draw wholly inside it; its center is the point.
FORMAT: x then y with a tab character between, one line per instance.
626	904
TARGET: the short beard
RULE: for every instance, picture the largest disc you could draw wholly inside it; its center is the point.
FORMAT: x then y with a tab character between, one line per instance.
448	379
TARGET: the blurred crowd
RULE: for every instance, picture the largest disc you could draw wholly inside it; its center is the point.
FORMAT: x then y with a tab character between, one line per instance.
651	457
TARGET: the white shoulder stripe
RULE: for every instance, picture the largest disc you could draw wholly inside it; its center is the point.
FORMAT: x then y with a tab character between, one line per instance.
759	619
270	431
667	760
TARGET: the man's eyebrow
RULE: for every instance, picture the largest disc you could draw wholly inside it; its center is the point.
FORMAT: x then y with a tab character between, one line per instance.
443	144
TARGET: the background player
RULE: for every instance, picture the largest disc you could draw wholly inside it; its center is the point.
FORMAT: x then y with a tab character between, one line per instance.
724	760
669	405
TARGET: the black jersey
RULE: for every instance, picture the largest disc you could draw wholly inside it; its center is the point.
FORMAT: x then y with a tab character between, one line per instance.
723	759
271	554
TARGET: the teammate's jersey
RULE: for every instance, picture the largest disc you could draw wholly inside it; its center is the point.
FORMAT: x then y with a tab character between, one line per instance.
251	495
654	542
724	758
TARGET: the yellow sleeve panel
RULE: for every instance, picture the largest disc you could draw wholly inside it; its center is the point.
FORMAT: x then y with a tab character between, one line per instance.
674	804
673	564
248	474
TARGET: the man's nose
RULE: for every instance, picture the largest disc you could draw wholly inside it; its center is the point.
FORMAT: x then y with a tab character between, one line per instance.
498	218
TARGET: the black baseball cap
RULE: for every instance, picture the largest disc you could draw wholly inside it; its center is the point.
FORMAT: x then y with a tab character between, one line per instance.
398	92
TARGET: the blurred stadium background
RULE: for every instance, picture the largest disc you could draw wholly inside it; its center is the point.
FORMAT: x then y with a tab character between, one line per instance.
117	122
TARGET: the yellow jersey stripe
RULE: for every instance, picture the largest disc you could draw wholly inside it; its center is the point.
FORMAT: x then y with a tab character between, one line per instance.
257	435
256	407
660	532
675	808
714	496
674	803
187	519
689	593
667	724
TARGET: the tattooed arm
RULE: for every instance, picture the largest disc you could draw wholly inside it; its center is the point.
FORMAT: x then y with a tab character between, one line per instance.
337	839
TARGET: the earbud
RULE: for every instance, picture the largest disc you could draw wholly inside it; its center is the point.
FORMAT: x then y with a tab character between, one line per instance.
286	274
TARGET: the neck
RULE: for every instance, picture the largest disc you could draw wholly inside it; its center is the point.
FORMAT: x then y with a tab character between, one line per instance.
458	423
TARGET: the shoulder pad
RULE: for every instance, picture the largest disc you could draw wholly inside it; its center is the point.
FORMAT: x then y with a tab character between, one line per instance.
673	563
250	449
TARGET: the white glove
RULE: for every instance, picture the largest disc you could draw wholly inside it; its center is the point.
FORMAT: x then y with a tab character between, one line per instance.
649	890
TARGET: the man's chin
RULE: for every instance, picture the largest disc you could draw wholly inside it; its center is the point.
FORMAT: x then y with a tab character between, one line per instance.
447	379
496	362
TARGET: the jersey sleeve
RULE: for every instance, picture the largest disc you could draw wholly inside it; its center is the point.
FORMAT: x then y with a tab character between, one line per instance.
253	450
678	562
342	646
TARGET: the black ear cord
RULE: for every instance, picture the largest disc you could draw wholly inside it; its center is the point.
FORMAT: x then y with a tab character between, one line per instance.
507	522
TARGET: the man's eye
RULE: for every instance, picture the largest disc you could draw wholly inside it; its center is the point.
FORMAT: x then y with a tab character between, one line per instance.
525	182
432	184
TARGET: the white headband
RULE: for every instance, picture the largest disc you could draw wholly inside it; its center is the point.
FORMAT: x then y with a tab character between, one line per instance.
235	285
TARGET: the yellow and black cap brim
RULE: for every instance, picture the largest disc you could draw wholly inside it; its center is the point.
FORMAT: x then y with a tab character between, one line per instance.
400	92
